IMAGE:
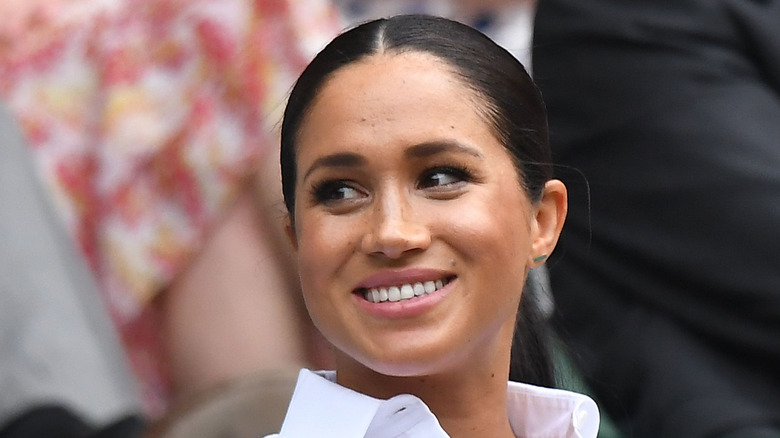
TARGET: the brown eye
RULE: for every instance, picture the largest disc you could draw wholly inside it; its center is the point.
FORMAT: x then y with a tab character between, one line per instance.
334	191
444	176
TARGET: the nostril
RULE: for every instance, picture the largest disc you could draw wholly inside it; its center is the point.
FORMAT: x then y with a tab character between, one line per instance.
395	241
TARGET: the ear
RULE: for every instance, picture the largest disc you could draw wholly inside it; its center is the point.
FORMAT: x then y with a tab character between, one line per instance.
548	222
290	231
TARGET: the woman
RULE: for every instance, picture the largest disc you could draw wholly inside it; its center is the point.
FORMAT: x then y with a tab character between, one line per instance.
415	169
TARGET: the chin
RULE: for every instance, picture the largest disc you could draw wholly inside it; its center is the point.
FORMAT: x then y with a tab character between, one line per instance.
408	364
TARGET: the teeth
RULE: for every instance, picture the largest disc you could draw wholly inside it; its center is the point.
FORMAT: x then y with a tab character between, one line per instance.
402	292
394	293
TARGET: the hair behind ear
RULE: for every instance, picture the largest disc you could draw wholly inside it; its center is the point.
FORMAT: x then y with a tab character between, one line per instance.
531	356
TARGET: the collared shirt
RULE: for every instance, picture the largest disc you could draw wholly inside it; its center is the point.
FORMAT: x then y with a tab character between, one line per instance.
324	409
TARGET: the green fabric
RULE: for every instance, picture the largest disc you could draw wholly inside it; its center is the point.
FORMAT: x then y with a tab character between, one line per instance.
569	377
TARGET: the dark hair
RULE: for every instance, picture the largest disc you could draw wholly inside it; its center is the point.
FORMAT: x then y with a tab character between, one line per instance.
512	106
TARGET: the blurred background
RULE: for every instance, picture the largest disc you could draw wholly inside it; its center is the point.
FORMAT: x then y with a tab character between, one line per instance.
146	288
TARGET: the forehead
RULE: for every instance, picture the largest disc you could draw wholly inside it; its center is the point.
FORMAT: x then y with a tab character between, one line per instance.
401	68
414	90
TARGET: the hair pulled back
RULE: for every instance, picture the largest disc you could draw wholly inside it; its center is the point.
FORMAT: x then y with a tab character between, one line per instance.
510	102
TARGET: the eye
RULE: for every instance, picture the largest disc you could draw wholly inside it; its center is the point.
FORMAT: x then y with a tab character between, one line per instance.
334	192
441	177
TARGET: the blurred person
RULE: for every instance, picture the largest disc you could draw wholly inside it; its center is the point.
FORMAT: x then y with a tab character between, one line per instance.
667	284
149	123
62	370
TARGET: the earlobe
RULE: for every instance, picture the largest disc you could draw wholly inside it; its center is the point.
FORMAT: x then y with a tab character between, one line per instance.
550	216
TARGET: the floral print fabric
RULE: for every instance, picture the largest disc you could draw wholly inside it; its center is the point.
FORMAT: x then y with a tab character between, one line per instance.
144	117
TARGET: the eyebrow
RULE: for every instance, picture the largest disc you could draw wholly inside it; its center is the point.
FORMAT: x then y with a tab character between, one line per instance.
422	150
342	159
428	149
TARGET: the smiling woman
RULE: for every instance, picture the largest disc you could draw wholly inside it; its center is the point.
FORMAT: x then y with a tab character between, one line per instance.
416	172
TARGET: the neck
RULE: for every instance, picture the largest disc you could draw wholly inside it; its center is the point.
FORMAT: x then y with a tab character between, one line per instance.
468	401
470	407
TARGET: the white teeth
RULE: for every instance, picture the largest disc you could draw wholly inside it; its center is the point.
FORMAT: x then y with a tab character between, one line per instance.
394	293
403	292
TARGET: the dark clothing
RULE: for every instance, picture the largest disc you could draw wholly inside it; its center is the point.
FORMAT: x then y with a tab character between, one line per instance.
667	281
53	421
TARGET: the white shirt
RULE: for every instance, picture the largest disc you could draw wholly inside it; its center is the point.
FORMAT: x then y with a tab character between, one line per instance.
322	408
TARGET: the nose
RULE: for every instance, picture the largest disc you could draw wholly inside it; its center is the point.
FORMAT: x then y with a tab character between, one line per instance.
395	228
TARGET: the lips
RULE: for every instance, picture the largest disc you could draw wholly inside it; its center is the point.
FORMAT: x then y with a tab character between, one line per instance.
403	292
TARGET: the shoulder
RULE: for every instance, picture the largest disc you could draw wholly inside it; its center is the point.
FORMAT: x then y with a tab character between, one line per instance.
538	411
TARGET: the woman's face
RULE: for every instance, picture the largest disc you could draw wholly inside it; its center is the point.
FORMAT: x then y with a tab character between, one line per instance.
412	230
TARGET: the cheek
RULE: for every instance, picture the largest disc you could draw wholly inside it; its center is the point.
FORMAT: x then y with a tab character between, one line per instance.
493	264
324	246
315	270
497	254
495	228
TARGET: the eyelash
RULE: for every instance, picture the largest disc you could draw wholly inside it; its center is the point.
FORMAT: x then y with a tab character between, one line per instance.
324	192
460	173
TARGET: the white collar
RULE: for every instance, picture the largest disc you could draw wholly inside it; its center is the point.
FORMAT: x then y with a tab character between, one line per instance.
324	409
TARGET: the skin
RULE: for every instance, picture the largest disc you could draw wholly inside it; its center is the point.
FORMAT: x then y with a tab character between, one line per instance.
216	323
378	202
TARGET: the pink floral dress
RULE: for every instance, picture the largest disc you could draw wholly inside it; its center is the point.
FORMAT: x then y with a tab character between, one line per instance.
144	116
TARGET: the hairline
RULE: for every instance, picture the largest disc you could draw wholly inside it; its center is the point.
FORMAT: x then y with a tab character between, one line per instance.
484	105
